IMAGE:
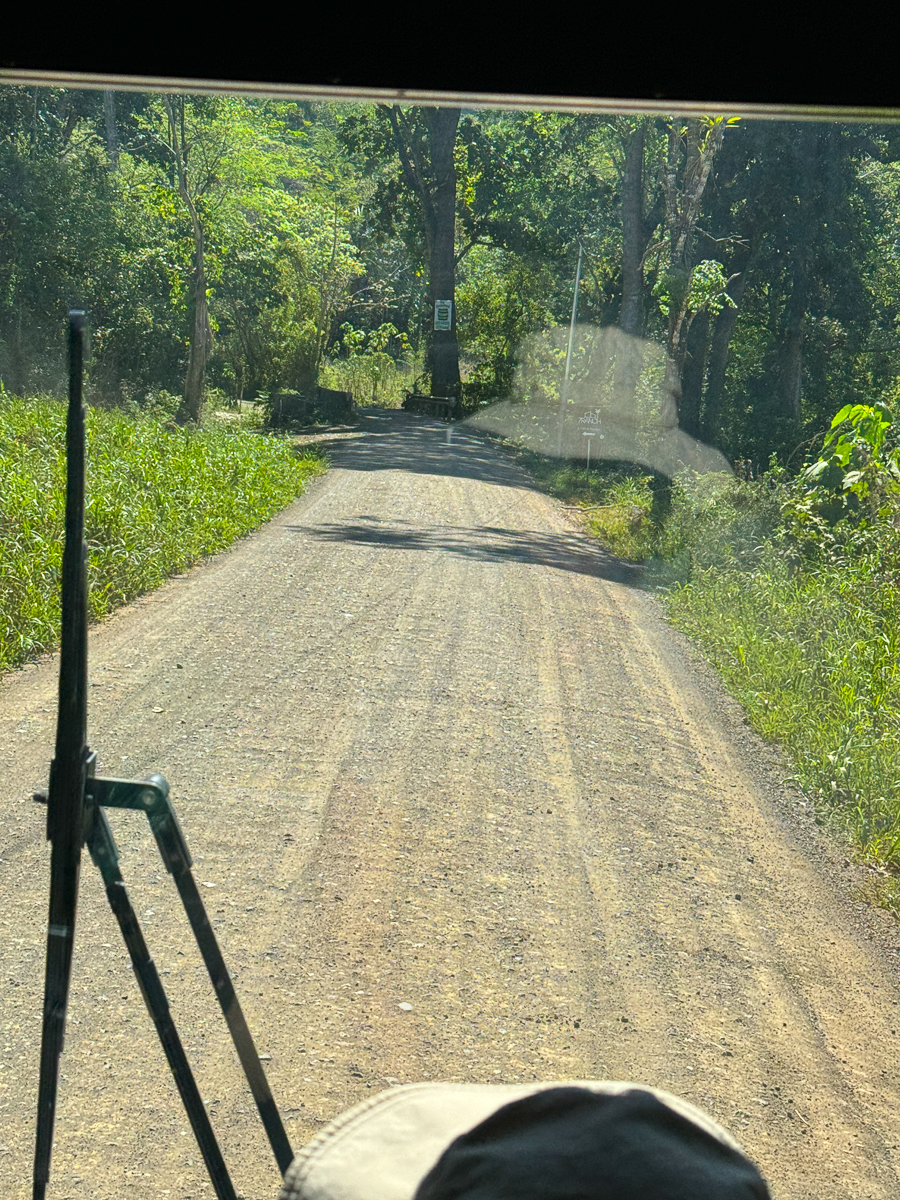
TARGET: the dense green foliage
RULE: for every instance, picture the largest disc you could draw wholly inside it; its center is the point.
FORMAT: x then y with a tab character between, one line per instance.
159	499
762	254
93	213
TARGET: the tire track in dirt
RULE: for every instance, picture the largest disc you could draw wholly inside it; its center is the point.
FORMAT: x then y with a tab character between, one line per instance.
430	747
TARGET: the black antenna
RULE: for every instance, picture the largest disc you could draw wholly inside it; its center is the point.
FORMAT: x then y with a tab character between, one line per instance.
75	803
65	803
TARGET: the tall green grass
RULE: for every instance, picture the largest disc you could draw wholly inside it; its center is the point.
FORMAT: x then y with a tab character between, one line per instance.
158	500
814	657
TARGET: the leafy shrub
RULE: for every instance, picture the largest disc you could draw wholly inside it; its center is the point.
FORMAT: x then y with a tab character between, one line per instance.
365	365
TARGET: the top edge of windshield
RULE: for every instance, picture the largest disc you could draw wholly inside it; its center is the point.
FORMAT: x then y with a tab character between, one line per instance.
322	93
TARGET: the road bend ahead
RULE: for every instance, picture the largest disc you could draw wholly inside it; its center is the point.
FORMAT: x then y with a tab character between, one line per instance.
462	808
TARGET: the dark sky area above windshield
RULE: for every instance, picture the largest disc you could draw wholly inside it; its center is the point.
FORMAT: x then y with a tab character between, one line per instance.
614	58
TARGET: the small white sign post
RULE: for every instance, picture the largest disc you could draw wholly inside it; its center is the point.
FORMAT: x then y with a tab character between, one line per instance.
587	472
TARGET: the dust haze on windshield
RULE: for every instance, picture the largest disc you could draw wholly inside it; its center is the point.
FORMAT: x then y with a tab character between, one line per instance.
611	401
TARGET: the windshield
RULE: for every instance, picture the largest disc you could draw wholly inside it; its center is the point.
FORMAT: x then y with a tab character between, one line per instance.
492	526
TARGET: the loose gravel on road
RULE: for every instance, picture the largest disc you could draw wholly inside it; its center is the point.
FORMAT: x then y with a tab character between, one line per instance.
462	807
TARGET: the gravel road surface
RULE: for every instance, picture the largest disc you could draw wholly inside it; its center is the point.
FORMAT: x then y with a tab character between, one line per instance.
462	807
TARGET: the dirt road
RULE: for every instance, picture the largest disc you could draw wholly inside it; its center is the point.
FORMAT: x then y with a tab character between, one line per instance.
431	748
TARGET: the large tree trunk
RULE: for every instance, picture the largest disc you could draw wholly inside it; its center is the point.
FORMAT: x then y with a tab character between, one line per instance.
812	189
201	339
637	229
634	238
710	430
682	213
442	249
693	373
429	172
790	375
201	334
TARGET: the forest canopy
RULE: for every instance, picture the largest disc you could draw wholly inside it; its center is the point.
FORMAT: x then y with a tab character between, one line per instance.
230	248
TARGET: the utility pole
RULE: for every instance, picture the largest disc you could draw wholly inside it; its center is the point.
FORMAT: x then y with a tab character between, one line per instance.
564	391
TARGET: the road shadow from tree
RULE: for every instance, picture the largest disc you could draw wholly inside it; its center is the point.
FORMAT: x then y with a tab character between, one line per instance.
562	552
393	440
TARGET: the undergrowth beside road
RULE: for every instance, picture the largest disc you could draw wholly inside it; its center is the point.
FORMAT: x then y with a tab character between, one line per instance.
791	586
813	658
159	498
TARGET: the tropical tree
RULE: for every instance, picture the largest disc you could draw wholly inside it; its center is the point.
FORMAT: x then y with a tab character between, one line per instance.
265	250
424	140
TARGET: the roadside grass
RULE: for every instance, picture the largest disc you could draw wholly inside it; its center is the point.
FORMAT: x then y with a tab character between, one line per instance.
813	658
159	498
809	645
617	504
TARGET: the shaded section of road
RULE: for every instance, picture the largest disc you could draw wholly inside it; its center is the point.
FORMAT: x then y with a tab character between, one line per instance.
486	544
428	750
389	443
